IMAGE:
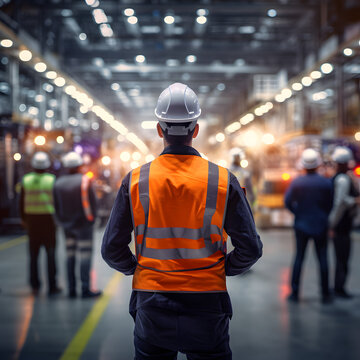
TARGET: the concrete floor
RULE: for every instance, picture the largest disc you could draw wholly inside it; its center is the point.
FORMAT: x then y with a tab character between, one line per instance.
264	325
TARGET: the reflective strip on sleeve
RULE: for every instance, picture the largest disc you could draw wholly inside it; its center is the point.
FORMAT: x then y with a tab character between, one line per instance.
85	183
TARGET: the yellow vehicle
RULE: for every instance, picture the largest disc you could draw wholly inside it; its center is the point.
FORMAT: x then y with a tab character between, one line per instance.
270	209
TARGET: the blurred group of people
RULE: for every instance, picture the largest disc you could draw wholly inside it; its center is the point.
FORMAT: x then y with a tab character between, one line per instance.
324	208
68	201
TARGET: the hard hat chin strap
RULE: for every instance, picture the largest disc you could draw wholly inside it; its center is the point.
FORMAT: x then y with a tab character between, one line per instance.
178	130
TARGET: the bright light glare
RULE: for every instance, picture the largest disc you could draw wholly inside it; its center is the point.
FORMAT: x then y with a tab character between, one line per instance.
82	36
306	81
348	52
136	156
106	160
125	156
280	98
6	43
99	16
17	156
115	86
169	19
222	163
201	20
326	68
286	93
315	75
220	137
25	55
134	164
51	75
40	67
49	113
60	139
357	136
269	105
106	30
40	140
59	81
272	13
244	163
70	89
268	139
149	124
247	118
132	20
191	58
140	59
251	138
233	127
149	158
285	176
297	86
201	12
129	12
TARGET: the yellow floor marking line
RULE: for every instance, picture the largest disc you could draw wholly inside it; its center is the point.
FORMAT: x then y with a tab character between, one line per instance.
82	337
13	242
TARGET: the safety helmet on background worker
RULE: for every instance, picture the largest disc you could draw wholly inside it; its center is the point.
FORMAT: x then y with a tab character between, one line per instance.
310	159
40	161
178	104
342	155
72	160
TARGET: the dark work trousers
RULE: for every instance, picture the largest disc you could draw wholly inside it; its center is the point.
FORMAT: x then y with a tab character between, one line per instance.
160	333
342	245
42	232
82	247
320	241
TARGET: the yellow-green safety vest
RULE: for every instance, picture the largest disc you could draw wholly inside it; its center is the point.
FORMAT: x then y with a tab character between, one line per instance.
38	191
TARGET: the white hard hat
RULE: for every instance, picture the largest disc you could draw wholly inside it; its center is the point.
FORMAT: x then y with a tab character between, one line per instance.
178	104
342	155
72	160
40	161
310	159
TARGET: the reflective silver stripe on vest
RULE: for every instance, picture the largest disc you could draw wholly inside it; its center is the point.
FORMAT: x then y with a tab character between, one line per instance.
191	234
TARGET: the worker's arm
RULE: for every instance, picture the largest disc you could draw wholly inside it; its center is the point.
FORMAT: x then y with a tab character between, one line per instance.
92	199
22	205
240	226
289	198
115	246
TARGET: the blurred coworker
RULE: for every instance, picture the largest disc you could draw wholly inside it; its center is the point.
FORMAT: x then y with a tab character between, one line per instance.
181	208
309	197
75	205
243	176
37	209
346	198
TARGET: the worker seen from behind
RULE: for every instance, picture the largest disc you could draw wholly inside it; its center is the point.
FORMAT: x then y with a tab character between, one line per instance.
75	205
242	175
37	210
309	197
346	199
181	208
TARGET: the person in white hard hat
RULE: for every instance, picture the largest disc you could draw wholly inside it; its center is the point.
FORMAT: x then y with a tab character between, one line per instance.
346	199
37	210
75	205
180	207
309	198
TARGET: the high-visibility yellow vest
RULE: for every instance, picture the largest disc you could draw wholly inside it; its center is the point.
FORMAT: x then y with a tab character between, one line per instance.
178	205
38	191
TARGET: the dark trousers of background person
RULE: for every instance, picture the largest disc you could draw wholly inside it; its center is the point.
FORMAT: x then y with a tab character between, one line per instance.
320	241
82	247
342	242
160	333
42	232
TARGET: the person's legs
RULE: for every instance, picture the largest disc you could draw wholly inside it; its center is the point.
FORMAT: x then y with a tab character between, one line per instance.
301	243
71	260
34	249
50	243
342	243
321	252
146	351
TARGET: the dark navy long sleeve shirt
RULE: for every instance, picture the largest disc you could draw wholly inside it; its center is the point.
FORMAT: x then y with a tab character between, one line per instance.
310	198
239	225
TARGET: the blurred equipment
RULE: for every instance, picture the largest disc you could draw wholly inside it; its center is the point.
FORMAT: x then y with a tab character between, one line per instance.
309	198
346	200
75	205
37	210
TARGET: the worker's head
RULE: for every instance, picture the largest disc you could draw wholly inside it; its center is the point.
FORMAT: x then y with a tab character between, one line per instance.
342	156
40	161
310	160
72	161
178	111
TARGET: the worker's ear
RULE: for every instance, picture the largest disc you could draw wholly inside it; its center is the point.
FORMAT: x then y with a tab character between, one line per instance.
159	130
195	134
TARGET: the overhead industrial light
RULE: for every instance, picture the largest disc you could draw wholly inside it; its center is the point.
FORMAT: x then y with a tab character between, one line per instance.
315	74
40	67
169	19
106	30
306	81
51	75
59	81
129	12
99	16
115	86
149	125
7	43
297	86
25	55
140	59
82	36
326	68
348	52
201	20
191	58
272	13
132	20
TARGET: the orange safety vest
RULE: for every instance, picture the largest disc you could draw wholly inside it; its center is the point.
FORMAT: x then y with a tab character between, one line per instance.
178	205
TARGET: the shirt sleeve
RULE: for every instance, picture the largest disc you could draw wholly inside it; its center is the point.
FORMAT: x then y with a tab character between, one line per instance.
117	237
342	200
92	200
240	226
289	198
